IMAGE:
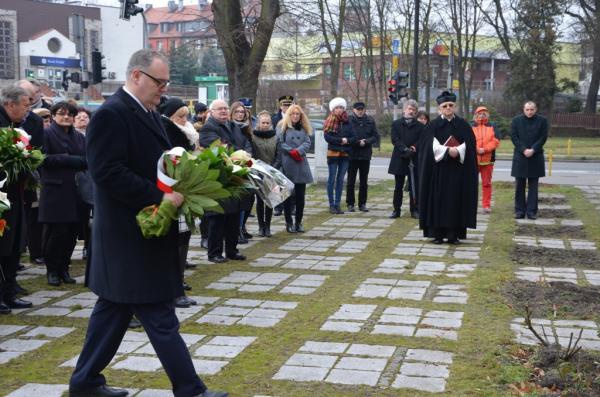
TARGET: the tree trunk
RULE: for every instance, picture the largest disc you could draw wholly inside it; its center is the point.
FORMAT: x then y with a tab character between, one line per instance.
243	60
592	94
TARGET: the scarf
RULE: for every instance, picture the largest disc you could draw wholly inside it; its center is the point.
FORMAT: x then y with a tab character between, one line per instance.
190	132
332	123
264	134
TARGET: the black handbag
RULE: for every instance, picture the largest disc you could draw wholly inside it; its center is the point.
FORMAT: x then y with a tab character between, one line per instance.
85	187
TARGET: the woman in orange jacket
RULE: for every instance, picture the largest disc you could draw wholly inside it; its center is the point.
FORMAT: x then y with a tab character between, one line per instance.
487	142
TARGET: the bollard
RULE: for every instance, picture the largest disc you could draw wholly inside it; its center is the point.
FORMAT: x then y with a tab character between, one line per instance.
569	147
550	162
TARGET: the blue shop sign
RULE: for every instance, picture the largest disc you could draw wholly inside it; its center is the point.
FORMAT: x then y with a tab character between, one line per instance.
58	62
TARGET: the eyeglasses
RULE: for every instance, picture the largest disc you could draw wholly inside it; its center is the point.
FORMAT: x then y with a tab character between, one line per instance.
64	114
160	83
447	105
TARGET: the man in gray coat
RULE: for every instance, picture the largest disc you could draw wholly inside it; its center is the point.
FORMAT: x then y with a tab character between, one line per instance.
529	132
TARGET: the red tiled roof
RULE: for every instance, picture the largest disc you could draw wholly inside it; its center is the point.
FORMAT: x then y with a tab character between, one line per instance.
189	13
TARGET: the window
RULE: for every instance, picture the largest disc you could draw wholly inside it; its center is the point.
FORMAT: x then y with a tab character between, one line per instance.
328	71
164	27
366	72
7	70
152	27
349	72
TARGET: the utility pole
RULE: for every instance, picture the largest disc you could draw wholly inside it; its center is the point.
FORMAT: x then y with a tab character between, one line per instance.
414	83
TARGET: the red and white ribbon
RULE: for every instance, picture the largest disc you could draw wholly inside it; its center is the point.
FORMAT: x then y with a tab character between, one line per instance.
163	181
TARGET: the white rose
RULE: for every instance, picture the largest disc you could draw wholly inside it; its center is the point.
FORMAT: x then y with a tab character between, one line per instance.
20	145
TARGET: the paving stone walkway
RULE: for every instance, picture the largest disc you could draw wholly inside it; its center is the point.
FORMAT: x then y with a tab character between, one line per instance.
425	268
532	241
303	284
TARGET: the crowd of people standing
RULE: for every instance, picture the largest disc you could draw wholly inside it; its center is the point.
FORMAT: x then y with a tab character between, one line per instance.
118	149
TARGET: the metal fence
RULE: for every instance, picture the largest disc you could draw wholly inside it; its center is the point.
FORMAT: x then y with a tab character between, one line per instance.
575	120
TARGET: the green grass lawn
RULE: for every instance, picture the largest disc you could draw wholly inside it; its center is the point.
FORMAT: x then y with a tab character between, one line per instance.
581	148
481	367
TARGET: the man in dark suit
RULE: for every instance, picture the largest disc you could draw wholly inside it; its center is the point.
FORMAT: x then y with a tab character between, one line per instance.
528	133
131	274
14	105
218	127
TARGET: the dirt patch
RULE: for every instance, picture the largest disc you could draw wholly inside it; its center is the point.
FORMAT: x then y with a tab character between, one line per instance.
534	256
551	231
551	374
552	200
546	299
552	213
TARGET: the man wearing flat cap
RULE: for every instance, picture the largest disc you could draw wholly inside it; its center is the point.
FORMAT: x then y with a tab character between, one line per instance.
448	178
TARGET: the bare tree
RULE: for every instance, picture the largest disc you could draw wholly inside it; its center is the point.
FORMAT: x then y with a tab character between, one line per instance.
587	15
331	20
465	22
244	43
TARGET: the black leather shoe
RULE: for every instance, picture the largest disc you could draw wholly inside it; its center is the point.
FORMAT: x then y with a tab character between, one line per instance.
186	286
332	210
99	391
4	309
217	259
210	393
454	241
351	208
237	257
246	234
242	239
134	323
18	303
414	214
532	216
181	301
66	278
20	267
299	228
189	265
204	243
395	214
268	231
519	216
38	261
261	231
363	208
338	210
53	279
290	228
437	241
19	290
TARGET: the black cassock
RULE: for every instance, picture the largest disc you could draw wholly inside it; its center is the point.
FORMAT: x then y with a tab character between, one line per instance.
447	189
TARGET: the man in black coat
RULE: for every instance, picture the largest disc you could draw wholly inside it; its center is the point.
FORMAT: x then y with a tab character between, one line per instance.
14	105
448	175
284	102
406	132
131	274
528	133
360	157
226	226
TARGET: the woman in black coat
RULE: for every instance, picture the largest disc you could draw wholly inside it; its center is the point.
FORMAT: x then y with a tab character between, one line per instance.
60	209
183	134
406	131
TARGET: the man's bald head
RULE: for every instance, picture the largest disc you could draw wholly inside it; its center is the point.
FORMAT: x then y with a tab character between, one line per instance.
32	90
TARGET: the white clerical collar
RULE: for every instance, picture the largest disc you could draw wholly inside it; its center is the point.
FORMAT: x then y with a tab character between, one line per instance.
449	119
135	99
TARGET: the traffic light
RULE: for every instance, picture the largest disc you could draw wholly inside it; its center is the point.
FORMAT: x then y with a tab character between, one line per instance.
129	8
65	80
97	67
393	89
402	84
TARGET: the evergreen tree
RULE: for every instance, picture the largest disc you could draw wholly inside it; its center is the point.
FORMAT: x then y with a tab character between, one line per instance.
184	64
532	69
212	62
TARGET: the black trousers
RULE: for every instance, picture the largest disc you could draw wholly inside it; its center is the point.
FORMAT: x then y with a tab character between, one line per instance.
399	191
223	226
34	232
8	268
527	205
360	167
58	243
204	227
183	245
263	212
108	323
299	199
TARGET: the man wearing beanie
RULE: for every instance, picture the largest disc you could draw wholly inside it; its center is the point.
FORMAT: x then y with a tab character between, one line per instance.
448	177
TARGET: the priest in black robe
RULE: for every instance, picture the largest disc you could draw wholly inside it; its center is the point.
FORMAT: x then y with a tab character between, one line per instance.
448	179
